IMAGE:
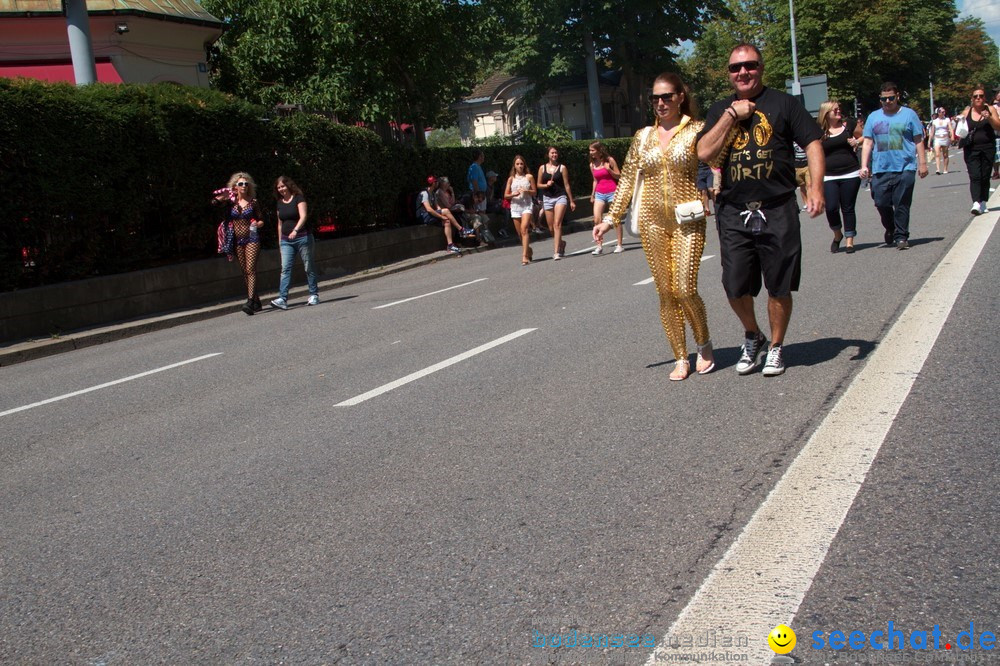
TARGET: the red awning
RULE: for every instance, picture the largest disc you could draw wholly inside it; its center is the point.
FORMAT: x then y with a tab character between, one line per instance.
56	71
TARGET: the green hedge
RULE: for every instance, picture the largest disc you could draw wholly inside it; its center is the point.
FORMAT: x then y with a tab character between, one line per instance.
111	178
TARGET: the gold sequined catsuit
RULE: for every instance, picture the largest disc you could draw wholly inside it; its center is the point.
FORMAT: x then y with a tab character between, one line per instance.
672	250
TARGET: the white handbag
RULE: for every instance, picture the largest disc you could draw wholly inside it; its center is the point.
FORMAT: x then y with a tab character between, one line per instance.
690	211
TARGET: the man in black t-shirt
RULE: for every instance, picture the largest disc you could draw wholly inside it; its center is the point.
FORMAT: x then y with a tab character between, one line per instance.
757	214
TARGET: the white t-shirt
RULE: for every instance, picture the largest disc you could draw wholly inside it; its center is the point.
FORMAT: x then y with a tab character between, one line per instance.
942	129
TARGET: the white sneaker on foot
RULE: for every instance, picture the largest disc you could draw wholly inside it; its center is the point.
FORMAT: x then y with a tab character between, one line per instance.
774	365
975	208
313	300
280	303
619	249
982	207
598	250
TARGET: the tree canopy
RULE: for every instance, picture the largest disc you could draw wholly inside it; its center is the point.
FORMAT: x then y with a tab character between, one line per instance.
858	46
368	60
545	41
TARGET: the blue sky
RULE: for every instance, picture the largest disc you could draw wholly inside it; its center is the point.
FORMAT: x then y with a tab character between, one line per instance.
987	10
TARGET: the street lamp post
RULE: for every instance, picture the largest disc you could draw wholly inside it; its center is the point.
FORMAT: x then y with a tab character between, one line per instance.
796	84
78	29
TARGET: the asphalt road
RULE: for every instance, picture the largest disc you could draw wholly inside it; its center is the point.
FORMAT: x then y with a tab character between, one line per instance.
234	509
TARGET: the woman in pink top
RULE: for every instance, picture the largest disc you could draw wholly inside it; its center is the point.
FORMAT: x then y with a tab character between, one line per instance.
606	174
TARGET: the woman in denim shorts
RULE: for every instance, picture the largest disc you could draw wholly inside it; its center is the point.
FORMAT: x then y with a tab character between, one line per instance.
606	173
553	181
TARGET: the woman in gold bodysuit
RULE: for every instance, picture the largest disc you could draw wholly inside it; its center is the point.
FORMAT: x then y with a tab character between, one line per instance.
666	157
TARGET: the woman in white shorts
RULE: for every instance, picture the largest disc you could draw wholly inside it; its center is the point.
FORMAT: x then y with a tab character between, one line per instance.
520	192
941	129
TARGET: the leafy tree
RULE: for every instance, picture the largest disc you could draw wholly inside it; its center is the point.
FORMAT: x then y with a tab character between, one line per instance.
969	59
744	21
544	41
857	45
545	136
497	139
445	137
369	60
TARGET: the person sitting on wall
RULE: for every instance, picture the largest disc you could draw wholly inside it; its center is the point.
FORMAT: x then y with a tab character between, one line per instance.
428	212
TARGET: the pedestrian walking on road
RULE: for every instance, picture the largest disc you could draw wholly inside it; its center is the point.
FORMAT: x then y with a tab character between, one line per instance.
553	181
996	158
665	156
979	147
605	171
841	182
943	132
244	217
520	192
893	154
295	237
754	132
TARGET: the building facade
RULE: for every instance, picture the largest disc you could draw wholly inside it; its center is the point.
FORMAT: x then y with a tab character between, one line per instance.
134	41
503	105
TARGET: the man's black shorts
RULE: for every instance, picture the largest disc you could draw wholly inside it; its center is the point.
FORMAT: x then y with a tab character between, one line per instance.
775	253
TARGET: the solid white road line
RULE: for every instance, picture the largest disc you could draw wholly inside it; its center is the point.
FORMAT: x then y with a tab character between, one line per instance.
107	384
761	580
439	291
649	280
385	388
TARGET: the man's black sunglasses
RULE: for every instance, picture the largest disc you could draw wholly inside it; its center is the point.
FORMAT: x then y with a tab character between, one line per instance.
666	97
887	98
750	65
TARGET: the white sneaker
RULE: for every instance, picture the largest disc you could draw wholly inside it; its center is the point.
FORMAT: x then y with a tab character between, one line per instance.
774	365
313	300
598	250
619	249
982	207
280	303
556	257
975	208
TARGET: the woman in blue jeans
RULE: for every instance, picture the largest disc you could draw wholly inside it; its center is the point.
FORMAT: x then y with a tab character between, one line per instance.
841	182
295	236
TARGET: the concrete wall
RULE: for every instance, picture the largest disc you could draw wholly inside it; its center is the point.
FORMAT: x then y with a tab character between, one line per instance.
55	309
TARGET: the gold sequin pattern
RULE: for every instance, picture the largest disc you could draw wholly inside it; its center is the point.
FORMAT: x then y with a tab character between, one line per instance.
672	250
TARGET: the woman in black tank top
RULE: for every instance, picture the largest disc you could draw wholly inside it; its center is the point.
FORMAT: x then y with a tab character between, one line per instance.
553	182
980	147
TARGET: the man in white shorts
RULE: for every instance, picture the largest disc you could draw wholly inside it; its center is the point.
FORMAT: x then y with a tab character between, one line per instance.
941	131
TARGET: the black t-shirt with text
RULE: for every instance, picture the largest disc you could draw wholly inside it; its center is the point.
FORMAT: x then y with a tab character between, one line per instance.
761	161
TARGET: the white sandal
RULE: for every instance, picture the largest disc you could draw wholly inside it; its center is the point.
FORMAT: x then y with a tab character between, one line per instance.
701	348
686	364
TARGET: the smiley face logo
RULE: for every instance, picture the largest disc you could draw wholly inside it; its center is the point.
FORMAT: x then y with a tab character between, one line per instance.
781	639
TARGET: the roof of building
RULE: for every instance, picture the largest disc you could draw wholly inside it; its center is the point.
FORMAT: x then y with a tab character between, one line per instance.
499	80
183	10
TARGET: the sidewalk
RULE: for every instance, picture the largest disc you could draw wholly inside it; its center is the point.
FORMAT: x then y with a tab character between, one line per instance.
28	350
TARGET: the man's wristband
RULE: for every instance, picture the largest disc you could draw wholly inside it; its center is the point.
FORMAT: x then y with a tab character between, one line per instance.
735	115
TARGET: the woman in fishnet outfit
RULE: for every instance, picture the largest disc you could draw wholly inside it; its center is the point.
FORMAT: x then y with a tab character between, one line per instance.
243	214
